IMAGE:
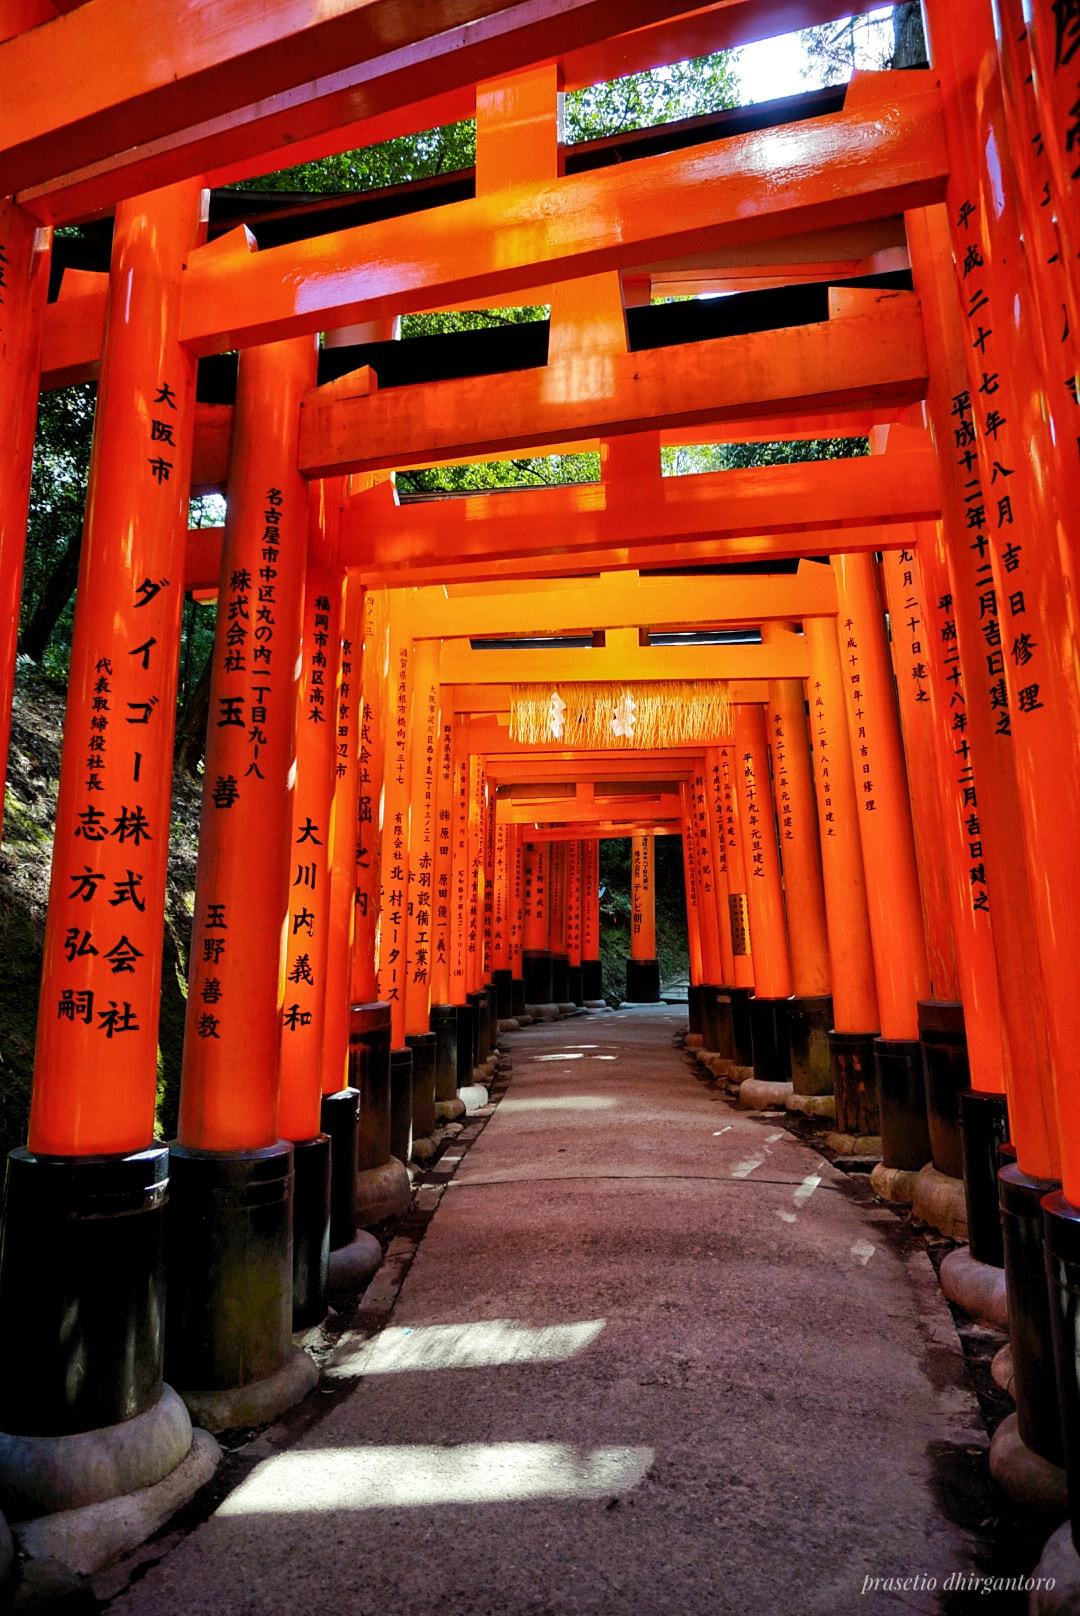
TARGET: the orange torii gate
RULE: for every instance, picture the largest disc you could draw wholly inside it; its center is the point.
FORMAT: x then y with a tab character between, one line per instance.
984	519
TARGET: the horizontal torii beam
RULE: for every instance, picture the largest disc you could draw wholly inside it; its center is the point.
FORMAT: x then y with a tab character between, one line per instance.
604	830
568	811
480	709
883	154
589	767
623	658
870	351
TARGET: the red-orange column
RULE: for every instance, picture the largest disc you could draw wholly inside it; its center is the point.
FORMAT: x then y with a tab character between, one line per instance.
500	904
24	283
393	930
444	864
892	883
342	846
708	897
95	1074
714	810
988	794
854	994
371	760
764	896
536	896
489	872
642	897
229	1087
423	833
742	942
1054	40
459	858
474	944
910	647
308	931
515	897
1028	539
592	984
556	852
800	847
690	882
573	904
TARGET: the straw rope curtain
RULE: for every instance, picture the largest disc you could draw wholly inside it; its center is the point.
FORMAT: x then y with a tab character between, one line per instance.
635	714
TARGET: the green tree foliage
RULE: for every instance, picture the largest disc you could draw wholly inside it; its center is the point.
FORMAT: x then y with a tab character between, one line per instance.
65	427
889	37
672	948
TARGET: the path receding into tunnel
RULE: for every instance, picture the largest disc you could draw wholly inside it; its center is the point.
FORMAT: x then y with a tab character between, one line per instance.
653	1356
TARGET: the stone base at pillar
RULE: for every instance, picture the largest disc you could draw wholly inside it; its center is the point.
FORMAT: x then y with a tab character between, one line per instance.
809	1023
382	1192
449	1110
352	1266
260	1401
592	980
542	1012
976	1287
939	1201
770	1040
1055	1581
901	1094
755	1094
573	986
474	1098
945	1065
643	981
984	1125
311	1230
851	1055
40	1475
812	1105
1001	1369
536	973
229	1249
83	1539
893	1184
1030	1481
340	1119
596	1004
81	1291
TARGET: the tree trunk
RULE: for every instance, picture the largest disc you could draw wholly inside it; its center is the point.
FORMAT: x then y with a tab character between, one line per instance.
910	41
54	597
191	730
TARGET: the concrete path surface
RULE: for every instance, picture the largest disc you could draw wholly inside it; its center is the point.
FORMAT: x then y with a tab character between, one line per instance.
653	1356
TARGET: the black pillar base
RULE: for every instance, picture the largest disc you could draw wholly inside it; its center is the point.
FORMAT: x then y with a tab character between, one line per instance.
422	1045
82	1290
401	1119
340	1119
742	1043
311	1231
851	1055
809	1023
1061	1244
574	993
493	1017
229	1257
905	1138
725	1029
369	1072
517	997
770	1040
643	981
536	974
984	1125
945	1067
1031	1309
560	979
481	1027
592	979
502	982
710	1036
693	1009
443	1022
466	1044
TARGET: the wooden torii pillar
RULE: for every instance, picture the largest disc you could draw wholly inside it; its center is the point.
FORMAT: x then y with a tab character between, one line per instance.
643	968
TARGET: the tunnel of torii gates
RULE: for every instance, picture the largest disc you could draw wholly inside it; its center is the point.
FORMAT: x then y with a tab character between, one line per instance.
850	685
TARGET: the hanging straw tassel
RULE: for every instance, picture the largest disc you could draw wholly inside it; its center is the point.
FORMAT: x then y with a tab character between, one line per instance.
599	716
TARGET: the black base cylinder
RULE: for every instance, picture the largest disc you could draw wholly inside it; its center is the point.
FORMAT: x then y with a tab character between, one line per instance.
710	1035
725	1029
851	1055
401	1104
493	1017
482	1040
369	1071
340	1119
466	1044
693	1009
443	1022
769	1039
905	1138
518	996
809	1024
503	983
574	993
1061	1243
536	974
1038	1419
592	979
422	1045
311	1231
560	979
984	1125
82	1290
643	981
228	1251
742	1043
945	1067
